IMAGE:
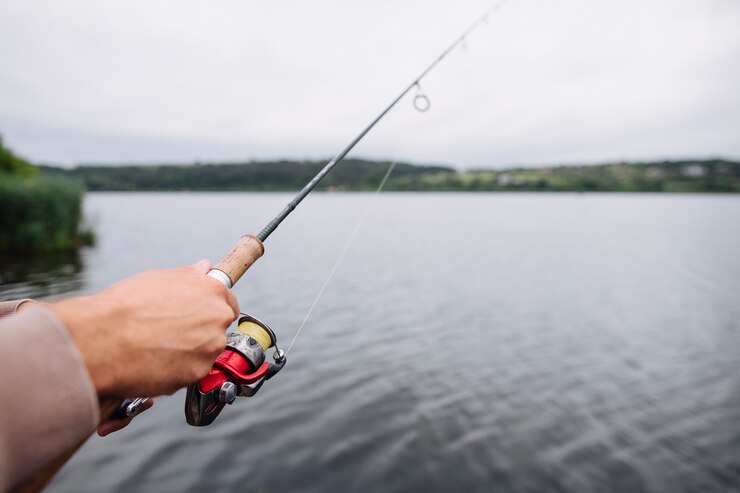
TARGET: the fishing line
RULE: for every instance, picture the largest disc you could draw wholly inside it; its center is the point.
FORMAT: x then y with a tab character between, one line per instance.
369	206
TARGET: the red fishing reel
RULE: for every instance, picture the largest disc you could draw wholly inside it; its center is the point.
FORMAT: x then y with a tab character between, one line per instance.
240	370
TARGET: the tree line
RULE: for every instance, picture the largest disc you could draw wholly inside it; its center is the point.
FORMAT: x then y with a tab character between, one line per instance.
711	175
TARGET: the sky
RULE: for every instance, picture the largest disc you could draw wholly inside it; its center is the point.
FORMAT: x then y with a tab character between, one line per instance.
542	82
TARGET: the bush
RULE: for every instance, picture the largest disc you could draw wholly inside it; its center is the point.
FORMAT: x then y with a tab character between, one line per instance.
40	214
14	165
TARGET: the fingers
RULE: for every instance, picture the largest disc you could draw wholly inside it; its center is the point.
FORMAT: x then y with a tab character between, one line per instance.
112	425
233	303
201	267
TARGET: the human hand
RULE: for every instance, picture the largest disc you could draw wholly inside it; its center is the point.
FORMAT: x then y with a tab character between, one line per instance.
152	333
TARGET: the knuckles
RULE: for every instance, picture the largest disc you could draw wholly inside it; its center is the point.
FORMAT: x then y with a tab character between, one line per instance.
218	345
215	287
227	316
197	371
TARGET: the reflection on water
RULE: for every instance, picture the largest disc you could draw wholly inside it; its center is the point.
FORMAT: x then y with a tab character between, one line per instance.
479	342
40	275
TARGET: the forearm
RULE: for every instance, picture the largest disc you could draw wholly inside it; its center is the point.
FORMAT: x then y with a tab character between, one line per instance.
48	399
148	335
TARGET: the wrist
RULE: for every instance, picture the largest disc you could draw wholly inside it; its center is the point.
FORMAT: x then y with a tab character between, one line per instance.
85	318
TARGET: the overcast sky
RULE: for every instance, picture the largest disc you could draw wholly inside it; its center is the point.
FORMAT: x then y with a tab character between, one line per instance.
113	81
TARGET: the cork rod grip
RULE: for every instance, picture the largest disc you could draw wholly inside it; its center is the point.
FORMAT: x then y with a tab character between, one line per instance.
248	249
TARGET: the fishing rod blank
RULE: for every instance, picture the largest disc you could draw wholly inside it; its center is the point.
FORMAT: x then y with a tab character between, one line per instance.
421	103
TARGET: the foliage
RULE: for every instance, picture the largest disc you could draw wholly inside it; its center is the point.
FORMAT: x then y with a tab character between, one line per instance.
14	165
665	176
356	174
38	213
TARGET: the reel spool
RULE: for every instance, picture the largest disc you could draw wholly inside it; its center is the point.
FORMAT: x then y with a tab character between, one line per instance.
240	370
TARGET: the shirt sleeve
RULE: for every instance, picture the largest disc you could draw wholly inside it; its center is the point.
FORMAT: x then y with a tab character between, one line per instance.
9	307
47	397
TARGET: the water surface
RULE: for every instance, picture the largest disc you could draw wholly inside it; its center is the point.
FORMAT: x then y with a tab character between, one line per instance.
480	342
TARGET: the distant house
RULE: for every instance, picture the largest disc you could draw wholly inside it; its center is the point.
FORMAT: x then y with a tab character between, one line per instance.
655	173
693	170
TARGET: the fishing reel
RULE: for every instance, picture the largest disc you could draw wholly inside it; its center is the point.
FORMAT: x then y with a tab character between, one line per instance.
240	370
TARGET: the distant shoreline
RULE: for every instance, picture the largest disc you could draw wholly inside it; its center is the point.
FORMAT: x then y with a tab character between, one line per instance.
410	192
357	175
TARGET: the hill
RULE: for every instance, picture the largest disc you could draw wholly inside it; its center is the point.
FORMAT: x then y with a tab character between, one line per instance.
714	175
352	174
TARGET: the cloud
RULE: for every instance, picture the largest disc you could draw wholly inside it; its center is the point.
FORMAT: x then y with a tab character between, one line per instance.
543	82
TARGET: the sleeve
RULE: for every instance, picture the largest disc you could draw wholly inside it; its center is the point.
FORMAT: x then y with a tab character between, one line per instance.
9	307
47	397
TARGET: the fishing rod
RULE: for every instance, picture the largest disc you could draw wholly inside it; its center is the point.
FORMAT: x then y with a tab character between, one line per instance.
241	369
227	380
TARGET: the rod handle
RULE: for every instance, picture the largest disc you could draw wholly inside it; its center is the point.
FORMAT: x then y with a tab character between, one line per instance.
246	252
38	481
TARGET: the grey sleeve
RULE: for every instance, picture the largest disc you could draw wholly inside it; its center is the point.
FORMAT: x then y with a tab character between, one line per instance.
48	400
9	307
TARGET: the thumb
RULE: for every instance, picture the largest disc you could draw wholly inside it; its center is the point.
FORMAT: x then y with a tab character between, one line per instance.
201	267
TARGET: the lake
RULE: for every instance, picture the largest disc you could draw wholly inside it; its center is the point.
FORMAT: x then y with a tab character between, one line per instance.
479	342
